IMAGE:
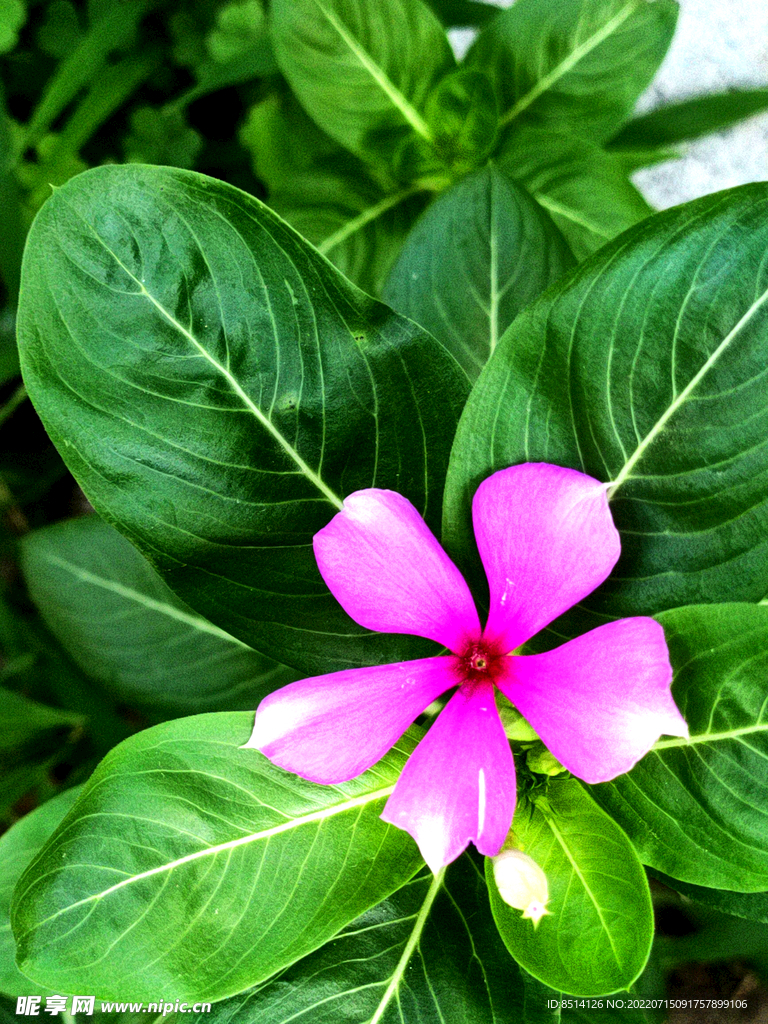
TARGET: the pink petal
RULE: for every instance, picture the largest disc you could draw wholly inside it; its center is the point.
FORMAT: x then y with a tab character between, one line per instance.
331	728
547	539
386	570
599	702
459	784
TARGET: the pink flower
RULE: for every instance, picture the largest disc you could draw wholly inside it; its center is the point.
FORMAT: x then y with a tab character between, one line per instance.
599	702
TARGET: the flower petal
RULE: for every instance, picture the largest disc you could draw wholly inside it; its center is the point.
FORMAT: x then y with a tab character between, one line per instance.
459	783
599	702
387	570
331	728
547	539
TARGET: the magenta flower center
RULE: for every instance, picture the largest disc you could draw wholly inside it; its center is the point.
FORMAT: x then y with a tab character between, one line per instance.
480	662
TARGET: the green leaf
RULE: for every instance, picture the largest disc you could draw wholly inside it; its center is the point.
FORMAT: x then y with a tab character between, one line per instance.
17	848
60	31
83	65
362	71
632	160
161	136
479	254
11	244
598	934
691	118
463	117
240	50
239	27
54	165
113	87
356	216
750	905
13	14
574	65
193	867
430	953
646	368
117	619
698	810
25	724
462	12
584	189
718	938
33	739
217	388
362	241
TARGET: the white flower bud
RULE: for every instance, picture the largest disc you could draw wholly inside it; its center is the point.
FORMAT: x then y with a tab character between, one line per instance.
521	884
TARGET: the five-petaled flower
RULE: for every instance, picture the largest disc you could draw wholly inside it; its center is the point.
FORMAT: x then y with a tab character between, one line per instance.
546	539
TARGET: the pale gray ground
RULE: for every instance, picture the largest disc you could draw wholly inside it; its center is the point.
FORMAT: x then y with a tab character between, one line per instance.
719	44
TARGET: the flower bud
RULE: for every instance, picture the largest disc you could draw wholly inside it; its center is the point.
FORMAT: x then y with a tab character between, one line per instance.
540	760
522	884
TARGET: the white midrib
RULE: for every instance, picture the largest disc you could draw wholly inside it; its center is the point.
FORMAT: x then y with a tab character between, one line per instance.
200	624
654	432
410	946
409	112
494	281
711	737
368	215
570	214
583	881
569	63
233	844
233	383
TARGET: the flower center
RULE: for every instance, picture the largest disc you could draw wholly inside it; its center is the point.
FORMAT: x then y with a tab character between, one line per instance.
480	662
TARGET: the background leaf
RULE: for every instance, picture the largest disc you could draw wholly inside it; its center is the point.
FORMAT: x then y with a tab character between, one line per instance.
585	190
123	626
598	934
356	214
574	64
17	848
33	738
646	367
217	388
362	71
193	868
750	905
435	959
698	810
691	118
480	253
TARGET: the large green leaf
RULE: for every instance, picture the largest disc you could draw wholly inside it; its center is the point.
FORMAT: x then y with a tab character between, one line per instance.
195	869
574	64
646	368
698	809
691	118
217	388
17	848
122	625
428	954
598	934
479	254
362	71
356	215
585	190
